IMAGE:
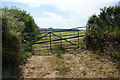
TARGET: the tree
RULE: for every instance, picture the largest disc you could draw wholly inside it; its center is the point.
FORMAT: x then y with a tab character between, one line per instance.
103	31
15	26
11	38
30	26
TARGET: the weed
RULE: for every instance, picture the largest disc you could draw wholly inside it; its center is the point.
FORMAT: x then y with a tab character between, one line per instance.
113	52
59	50
63	69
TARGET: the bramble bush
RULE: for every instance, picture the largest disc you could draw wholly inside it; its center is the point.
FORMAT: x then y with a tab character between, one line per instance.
15	26
103	32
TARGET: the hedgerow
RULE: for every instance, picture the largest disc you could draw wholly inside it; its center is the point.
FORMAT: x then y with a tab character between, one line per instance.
16	24
103	32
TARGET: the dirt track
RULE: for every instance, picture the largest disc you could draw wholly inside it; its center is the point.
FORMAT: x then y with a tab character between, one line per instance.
78	65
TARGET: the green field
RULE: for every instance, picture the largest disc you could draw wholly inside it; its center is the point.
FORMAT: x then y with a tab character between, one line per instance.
66	34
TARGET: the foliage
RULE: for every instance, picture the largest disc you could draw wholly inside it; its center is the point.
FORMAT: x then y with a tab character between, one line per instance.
60	65
59	50
30	26
11	33
103	32
15	26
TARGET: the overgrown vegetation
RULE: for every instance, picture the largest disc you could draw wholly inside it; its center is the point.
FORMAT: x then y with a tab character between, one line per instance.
60	65
59	50
15	45
30	26
103	32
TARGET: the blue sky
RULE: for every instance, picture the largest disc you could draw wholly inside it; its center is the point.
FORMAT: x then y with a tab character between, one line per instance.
60	13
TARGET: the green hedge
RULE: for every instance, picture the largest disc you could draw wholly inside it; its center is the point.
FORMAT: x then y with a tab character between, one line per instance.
16	24
103	32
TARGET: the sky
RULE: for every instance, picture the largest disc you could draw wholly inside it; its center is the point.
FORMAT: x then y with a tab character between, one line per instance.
60	13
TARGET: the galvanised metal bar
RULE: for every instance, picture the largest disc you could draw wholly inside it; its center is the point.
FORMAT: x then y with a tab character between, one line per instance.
40	37
60	39
64	39
52	31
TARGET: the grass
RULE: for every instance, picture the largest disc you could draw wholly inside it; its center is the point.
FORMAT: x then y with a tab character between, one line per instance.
59	50
63	69
112	51
65	34
60	65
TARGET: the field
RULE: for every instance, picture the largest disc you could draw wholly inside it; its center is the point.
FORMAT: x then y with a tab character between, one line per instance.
48	40
31	52
75	63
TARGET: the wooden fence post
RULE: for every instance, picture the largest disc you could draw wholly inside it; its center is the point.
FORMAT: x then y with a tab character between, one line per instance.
74	35
50	41
78	38
61	37
30	42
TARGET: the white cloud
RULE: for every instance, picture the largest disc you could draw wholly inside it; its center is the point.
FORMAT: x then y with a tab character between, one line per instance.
57	21
53	17
31	3
79	10
62	4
